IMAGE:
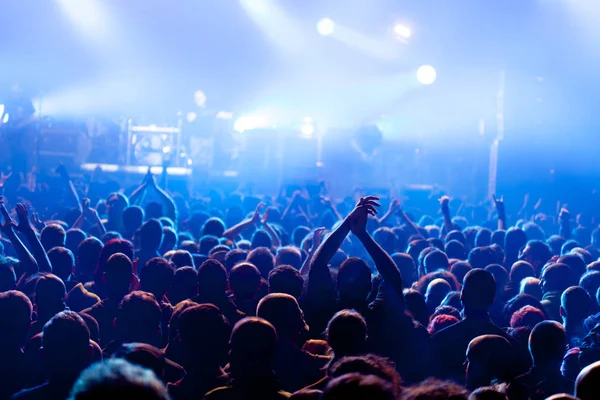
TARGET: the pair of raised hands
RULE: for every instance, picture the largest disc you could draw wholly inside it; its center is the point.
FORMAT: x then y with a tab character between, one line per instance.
256	217
24	224
358	217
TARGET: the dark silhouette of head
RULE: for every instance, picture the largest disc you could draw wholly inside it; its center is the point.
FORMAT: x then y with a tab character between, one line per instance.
481	257
346	333
459	270
151	235
286	279
15	318
435	260
117	274
62	261
169	240
284	313
478	291
207	243
234	257
184	285
88	253
587	383
536	253
354	280
434	389
66	345
483	237
112	247
415	248
519	271
556	242
73	239
133	218
263	259
487	393
514	240
253	348
557	278
519	301
139	318
489	357
8	278
298	235
244	281
213	227
53	235
568	246
548	344
576	263
289	256
498	237
526	317
386	239
407	268
110	235
436	292
204	334
115	204
156	277
500	276
358	387
212	279
590	281
182	258
118	379
260	238
369	364
50	296
575	304
455	249
440	322
531	286
456	235
416	306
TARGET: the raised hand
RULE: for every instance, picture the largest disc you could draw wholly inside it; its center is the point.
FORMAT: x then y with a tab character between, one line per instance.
7	224
37	221
317	237
4	177
256	215
24	224
444	202
499	203
359	216
265	217
564	214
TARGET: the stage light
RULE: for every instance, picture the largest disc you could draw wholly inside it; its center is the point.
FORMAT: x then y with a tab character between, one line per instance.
191	116
402	31
249	122
325	26
5	119
166	149
426	74
307	129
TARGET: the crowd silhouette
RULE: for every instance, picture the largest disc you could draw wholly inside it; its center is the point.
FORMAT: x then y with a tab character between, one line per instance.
151	294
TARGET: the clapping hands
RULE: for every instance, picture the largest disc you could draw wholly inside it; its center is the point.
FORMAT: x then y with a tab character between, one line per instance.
359	216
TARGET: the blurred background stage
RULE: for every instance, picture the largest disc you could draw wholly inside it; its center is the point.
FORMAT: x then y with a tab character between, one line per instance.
465	96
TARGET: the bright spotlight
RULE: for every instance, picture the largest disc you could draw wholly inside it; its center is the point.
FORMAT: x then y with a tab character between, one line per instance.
249	122
325	26
426	74
402	31
307	129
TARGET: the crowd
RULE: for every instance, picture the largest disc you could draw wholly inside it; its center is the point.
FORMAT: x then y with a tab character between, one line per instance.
151	294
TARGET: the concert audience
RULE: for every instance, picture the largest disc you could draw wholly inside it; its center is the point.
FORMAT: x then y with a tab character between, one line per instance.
190	300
